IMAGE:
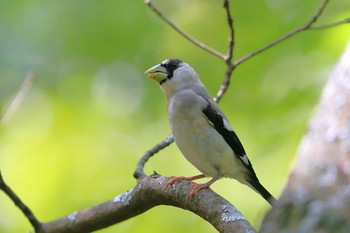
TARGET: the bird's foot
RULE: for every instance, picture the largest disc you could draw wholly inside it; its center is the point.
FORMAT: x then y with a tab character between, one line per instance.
172	179
197	187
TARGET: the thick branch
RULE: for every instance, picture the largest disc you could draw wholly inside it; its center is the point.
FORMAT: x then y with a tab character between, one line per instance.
150	192
317	195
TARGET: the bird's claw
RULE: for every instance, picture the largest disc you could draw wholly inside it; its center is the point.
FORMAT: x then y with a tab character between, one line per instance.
195	187
198	187
172	179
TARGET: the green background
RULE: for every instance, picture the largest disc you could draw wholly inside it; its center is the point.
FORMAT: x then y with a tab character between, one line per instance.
91	114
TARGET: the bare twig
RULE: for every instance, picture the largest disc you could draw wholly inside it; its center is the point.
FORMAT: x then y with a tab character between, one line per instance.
225	84
21	93
16	101
334	24
139	173
304	27
229	55
18	202
231	40
190	38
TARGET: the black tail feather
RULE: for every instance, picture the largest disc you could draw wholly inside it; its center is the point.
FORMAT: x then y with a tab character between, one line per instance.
259	188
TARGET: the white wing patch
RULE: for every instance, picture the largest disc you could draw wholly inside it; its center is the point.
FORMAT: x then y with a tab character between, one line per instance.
227	125
245	159
209	121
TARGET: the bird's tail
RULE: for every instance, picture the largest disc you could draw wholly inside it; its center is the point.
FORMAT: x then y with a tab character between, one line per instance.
259	188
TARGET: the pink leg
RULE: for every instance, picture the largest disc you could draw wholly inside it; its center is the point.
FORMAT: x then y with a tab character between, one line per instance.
197	187
172	179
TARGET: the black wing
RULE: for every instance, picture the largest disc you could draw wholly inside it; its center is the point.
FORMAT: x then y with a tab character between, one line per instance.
231	138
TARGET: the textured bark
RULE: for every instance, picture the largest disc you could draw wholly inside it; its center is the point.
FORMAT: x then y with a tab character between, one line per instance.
150	192
317	195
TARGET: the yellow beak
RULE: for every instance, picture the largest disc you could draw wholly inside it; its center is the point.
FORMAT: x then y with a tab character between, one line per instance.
157	72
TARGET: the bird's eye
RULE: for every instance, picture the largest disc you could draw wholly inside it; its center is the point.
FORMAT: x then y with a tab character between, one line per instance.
171	65
174	66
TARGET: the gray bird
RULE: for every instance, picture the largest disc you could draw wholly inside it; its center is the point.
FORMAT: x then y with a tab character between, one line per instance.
201	130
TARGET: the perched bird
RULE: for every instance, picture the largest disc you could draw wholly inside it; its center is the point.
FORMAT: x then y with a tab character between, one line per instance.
201	130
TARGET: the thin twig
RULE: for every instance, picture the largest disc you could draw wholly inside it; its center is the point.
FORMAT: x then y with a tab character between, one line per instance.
18	202
190	38
13	105
225	84
17	100
229	55
334	24
231	40
304	27
139	173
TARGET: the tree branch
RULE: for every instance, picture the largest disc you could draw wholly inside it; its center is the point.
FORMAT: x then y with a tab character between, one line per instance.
18	202
187	36
12	107
17	100
295	31
150	192
334	24
229	55
139	173
231	41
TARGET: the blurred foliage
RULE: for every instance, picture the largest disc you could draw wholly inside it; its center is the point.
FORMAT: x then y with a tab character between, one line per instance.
76	138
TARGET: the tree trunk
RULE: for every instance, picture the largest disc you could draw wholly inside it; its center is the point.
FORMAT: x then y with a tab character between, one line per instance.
317	195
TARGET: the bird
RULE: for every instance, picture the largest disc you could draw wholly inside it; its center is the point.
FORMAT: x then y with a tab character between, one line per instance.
201	130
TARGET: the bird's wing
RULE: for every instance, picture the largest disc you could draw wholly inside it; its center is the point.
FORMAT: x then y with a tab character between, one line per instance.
218	120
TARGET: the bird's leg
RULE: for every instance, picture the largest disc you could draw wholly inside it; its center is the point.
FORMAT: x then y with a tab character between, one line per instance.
197	187
172	179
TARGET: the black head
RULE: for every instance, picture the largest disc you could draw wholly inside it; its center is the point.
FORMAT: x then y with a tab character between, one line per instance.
170	65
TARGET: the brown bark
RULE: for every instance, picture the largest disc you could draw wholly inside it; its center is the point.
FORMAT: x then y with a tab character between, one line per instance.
149	192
